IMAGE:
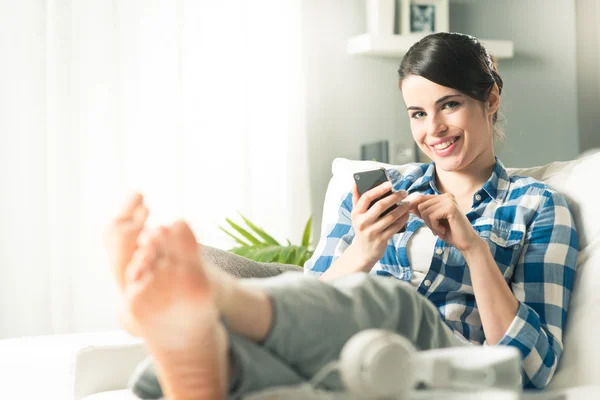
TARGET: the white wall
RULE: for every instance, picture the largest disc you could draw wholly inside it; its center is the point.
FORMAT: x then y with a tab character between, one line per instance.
350	99
540	91
353	99
588	72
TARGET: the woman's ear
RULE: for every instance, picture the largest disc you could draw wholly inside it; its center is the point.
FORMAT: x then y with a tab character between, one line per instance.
493	101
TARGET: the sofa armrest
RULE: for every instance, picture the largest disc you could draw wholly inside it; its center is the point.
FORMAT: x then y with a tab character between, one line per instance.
105	368
40	367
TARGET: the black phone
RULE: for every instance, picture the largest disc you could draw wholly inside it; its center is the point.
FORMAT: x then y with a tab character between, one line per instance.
367	180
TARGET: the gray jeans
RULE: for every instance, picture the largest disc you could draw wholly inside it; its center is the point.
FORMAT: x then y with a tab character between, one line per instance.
313	320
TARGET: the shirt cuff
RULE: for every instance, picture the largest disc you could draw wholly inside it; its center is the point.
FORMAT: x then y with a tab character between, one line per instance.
524	330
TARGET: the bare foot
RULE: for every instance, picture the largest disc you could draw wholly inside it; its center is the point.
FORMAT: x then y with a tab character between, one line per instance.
172	301
122	234
121	241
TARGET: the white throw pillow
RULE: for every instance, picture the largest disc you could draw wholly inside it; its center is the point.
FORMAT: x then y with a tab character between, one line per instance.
576	181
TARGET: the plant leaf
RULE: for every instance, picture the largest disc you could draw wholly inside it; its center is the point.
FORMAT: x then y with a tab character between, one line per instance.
267	254
286	255
307	256
241	251
244	233
271	254
267	238
306	235
238	240
300	255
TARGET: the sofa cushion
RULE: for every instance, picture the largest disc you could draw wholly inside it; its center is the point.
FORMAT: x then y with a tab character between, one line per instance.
574	179
243	267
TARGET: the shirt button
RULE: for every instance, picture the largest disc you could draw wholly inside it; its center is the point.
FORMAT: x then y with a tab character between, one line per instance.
427	282
478	197
438	251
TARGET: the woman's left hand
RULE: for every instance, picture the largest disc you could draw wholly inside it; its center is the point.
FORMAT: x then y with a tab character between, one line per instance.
445	219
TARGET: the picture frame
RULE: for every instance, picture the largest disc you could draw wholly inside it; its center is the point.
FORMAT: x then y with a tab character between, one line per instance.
424	16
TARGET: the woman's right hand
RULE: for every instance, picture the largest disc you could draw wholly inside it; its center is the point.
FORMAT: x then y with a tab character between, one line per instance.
372	233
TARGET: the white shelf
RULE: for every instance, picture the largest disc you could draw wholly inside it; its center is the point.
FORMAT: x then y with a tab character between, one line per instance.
398	45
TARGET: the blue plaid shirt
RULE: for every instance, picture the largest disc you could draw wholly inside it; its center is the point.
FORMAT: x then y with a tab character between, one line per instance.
531	234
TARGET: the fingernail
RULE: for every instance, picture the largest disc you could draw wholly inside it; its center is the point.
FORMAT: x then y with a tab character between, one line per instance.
403	193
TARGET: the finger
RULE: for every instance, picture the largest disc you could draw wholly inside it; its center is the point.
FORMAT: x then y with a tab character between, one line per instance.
433	218
420	208
421	199
355	196
373	194
428	206
399	212
418	204
384	204
440	216
416	212
436	227
425	209
395	227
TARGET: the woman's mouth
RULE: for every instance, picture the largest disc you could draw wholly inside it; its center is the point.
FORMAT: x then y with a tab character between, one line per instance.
445	148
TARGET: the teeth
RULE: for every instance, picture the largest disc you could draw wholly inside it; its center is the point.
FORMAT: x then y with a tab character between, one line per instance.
442	146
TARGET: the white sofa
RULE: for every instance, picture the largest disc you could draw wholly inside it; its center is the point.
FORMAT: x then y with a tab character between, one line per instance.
97	366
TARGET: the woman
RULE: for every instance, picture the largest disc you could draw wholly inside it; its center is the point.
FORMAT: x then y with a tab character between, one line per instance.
490	258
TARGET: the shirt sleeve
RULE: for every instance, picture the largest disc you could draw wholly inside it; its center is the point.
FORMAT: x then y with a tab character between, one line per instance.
336	237
542	283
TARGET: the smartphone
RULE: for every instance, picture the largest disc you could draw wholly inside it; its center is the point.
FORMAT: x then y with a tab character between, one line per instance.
367	180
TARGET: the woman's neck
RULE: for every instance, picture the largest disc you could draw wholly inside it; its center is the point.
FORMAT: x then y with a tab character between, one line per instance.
465	182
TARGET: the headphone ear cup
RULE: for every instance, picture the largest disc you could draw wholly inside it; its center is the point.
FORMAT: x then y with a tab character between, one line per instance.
377	363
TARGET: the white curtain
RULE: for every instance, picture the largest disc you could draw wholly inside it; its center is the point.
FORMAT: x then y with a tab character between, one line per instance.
197	104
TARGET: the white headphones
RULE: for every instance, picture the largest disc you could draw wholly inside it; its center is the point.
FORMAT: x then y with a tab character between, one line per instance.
376	363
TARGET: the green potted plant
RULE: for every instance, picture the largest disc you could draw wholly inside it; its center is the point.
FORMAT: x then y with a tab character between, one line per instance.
254	243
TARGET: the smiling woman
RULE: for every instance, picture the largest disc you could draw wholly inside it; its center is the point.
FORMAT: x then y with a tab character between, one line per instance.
481	233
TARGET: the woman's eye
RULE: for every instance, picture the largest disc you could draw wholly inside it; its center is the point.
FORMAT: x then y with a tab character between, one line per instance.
451	104
418	115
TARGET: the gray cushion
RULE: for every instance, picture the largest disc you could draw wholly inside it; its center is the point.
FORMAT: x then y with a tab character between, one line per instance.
243	267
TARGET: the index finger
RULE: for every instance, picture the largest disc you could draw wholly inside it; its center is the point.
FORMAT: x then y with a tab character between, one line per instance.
415	201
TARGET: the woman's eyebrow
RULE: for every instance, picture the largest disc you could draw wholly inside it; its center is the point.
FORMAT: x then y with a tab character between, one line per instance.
438	101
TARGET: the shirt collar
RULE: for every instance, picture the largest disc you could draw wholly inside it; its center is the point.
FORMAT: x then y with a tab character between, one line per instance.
498	184
496	187
426	180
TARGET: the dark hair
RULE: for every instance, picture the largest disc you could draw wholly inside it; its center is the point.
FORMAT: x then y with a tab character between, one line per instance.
456	61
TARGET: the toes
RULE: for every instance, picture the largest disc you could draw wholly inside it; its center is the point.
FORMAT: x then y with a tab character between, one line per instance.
155	240
184	241
129	206
140	215
127	225
142	262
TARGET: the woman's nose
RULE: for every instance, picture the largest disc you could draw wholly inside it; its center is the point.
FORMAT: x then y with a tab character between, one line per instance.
437	126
